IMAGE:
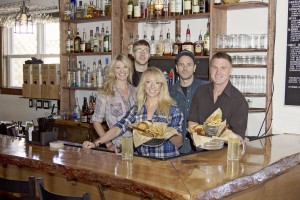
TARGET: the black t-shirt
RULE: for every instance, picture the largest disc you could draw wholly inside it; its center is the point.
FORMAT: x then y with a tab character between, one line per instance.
136	78
184	90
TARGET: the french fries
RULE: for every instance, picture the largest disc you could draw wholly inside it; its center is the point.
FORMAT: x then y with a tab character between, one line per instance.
155	129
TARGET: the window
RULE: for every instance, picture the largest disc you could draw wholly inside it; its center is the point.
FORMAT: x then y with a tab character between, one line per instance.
43	44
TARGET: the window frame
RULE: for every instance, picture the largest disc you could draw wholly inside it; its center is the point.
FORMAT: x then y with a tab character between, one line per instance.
7	56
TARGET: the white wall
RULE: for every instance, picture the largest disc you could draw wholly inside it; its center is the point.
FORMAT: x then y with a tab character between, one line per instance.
285	118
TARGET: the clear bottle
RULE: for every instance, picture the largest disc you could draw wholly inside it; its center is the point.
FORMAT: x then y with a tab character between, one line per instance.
106	41
82	44
137	38
196	6
152	45
96	40
106	67
99	76
130	46
137	9
85	8
102	8
69	73
88	77
168	45
67	11
160	45
68	41
77	112
178	7
79	69
77	75
101	39
82	75
177	47
77	43
79	11
199	46
172	7
188	45
130	9
187	7
94	74
73	76
207	39
146	37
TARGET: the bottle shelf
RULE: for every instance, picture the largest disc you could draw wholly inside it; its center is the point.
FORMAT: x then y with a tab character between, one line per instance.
81	88
171	18
87	54
242	5
238	50
174	57
248	66
254	94
256	110
88	20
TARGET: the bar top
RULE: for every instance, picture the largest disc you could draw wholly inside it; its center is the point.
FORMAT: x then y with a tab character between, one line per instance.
205	175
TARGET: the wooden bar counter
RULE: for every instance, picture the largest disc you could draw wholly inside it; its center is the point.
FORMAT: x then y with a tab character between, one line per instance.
270	169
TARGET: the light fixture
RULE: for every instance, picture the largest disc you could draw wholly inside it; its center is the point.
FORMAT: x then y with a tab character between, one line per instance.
23	21
158	12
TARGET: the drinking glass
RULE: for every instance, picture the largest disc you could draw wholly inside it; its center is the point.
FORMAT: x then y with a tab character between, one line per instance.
125	147
234	151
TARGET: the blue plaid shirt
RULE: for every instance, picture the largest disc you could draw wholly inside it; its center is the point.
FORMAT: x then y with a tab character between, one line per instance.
167	149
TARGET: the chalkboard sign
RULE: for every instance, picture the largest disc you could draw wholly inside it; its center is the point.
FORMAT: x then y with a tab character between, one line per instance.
292	82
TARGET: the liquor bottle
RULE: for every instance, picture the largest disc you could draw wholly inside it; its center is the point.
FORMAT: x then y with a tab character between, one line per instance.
97	10
187	7
160	45
108	7
84	110
217	2
145	37
77	42
196	6
172	7
103	8
89	46
77	111
90	10
178	7
82	75
88	77
79	11
152	45
106	41
68	41
199	46
85	8
137	38
99	76
73	76
73	9
207	5
82	44
207	39
202	6
93	77
69	73
96	40
165	11
78	74
130	46
130	9
72	37
90	108
177	47
168	45
150	9
101	39
67	11
188	45
137	9
143	8
105	70
109	43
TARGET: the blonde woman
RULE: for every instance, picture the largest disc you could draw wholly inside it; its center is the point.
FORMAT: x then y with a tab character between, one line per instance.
115	97
154	104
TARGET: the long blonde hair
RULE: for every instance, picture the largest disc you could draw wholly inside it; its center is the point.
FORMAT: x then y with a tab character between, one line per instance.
110	77
164	99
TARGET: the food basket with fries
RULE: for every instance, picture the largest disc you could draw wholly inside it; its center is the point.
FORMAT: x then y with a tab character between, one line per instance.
151	133
213	133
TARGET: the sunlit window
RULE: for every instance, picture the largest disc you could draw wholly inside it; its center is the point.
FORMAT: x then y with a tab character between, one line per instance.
43	44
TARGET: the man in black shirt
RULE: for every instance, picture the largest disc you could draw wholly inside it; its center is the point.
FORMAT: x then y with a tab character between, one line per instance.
141	55
220	94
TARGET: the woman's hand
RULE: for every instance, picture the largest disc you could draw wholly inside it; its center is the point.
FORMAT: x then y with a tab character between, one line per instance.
88	145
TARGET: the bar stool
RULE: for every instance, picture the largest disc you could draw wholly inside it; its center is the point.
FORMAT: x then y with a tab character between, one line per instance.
22	189
46	195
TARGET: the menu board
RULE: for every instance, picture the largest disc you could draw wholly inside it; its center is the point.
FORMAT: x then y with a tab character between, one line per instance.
292	82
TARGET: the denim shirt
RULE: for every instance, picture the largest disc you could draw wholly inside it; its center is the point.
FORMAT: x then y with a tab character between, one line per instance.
184	103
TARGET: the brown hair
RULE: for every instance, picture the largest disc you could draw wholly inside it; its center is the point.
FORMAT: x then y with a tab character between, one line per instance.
222	55
141	43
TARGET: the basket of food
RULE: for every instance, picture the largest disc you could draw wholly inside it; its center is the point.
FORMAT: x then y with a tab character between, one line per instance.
231	1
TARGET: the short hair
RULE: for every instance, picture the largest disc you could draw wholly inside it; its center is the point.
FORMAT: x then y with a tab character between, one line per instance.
141	43
222	55
110	77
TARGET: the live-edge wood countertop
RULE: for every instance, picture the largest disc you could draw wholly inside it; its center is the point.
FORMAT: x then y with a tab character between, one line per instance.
205	175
